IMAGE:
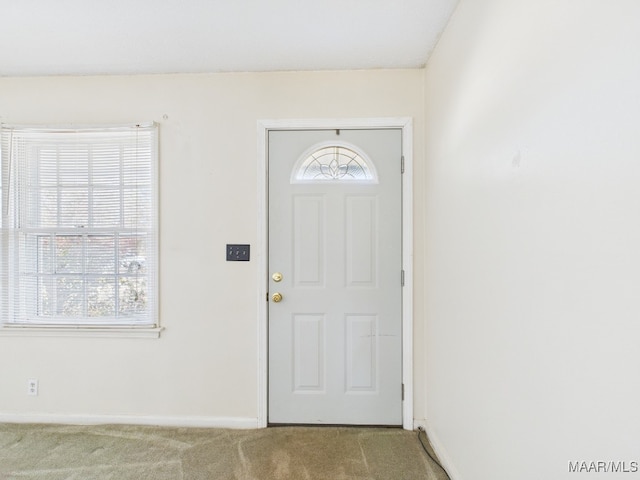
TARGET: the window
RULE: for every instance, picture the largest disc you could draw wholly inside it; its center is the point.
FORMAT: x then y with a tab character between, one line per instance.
333	163
79	226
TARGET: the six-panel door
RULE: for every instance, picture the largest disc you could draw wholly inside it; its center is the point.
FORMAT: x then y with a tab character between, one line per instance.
335	335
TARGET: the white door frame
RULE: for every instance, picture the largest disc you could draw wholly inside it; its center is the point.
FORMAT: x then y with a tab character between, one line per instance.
261	254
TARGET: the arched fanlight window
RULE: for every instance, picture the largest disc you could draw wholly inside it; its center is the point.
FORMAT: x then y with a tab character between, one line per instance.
334	163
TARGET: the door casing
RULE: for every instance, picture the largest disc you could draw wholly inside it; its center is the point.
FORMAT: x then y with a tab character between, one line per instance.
404	123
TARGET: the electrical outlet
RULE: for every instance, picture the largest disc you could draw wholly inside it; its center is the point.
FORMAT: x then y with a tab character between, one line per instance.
32	386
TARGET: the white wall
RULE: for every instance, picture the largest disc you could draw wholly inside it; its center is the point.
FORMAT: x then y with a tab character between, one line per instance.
532	238
204	368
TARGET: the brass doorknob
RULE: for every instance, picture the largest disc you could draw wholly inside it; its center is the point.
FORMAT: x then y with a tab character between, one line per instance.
276	297
277	277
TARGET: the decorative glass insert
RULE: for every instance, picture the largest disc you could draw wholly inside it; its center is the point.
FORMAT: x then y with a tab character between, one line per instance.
334	163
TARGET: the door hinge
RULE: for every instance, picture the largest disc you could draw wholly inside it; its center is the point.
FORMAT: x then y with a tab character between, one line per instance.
403	392
402	164
402	278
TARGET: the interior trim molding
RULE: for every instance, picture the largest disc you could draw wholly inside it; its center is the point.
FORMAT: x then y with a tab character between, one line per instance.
151	420
438	448
263	127
79	331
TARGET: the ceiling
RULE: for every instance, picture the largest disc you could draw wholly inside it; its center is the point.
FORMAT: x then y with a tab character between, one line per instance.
86	37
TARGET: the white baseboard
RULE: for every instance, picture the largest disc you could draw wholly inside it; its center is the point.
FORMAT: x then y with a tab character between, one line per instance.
161	421
439	449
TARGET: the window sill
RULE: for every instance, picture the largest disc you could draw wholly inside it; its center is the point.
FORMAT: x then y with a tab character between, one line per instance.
79	331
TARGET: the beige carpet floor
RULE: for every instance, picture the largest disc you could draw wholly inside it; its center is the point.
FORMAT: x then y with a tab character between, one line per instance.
55	452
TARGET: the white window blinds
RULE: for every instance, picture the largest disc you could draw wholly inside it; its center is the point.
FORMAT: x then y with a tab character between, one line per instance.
79	226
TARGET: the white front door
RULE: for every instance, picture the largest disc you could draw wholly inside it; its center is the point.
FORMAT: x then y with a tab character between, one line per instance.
335	264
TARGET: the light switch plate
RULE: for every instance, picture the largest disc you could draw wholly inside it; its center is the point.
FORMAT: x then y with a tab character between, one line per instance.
237	252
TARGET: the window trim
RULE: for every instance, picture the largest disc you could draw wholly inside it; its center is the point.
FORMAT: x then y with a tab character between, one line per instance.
27	330
120	329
